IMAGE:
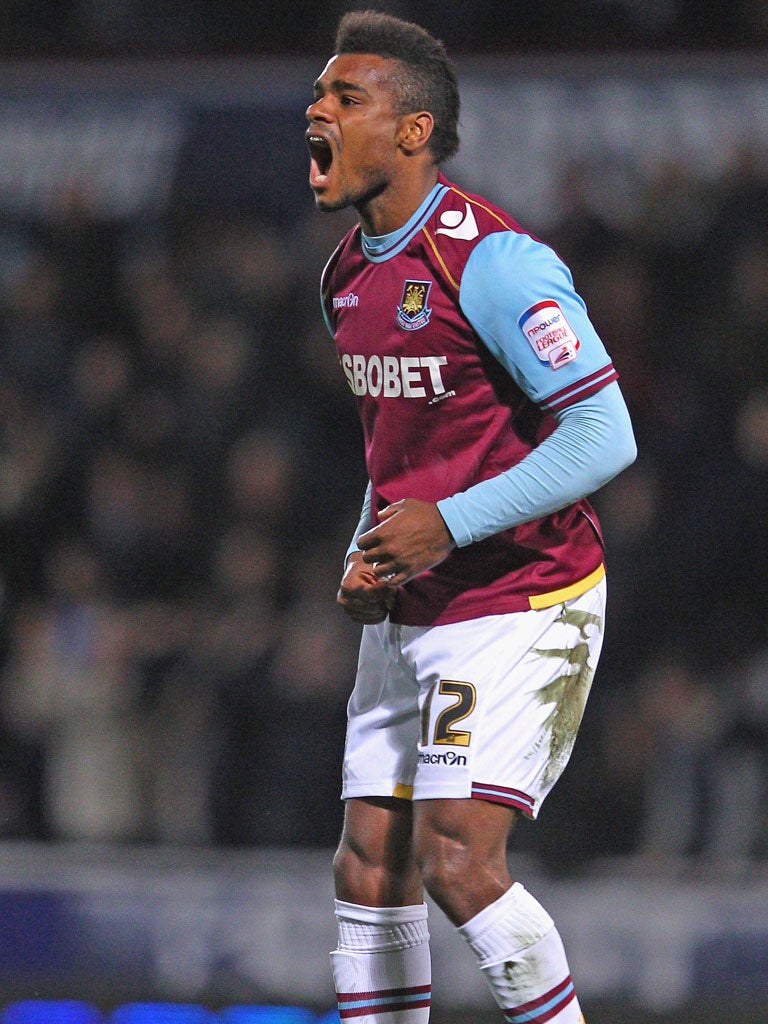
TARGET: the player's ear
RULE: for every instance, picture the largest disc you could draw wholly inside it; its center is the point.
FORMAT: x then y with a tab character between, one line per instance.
415	131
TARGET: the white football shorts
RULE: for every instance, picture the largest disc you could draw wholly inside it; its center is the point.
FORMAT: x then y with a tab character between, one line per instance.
487	708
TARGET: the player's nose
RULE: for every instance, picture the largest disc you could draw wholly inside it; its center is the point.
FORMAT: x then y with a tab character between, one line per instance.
316	111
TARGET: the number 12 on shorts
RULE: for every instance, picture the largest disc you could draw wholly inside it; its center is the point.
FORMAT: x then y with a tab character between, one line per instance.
445	731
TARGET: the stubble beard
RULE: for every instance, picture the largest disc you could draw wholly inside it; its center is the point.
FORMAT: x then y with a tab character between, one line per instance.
358	197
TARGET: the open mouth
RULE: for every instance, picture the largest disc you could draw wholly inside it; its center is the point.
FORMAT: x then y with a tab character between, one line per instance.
321	158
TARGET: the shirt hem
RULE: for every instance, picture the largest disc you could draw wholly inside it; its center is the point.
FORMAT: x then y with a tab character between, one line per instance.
505	604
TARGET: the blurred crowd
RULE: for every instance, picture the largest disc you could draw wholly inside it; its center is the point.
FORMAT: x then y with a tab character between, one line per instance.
203	27
180	472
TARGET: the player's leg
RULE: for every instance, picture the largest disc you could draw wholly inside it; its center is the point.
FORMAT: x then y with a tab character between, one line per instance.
503	701
461	849
381	967
374	861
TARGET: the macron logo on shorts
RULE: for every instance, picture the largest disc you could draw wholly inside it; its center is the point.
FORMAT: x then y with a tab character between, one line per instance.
549	334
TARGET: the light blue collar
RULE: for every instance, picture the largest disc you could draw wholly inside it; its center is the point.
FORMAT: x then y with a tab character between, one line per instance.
383	247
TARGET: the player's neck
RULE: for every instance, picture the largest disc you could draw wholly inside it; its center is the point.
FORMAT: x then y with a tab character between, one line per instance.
397	203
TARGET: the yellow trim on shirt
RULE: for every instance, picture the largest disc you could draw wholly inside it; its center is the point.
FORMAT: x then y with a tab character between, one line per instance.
566	593
403	792
440	259
481	206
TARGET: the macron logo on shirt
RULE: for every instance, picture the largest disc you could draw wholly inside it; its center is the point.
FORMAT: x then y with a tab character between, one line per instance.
459	225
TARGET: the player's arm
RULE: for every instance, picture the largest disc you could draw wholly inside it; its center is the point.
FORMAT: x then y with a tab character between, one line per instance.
507	277
513	287
591	444
364	596
363	525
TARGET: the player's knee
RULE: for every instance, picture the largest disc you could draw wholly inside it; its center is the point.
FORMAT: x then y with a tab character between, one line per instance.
348	861
351	873
445	865
361	878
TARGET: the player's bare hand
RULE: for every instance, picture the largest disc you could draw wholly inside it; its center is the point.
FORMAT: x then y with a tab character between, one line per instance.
363	595
410	538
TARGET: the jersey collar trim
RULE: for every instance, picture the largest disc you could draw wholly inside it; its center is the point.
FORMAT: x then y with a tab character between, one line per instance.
383	247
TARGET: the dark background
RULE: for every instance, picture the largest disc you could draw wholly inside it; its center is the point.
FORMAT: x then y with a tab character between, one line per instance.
194	27
176	438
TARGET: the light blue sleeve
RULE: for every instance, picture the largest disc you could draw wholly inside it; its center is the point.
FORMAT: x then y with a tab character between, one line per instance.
509	275
363	525
592	442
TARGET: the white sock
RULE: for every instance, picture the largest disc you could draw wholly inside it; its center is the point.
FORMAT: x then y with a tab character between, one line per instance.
382	968
522	958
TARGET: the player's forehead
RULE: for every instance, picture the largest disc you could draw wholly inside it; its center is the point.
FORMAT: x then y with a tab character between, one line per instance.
368	73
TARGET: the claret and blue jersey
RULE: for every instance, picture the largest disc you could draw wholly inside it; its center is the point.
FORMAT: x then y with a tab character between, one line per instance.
469	351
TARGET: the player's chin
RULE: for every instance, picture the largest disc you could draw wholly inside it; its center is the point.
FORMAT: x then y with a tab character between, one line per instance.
326	202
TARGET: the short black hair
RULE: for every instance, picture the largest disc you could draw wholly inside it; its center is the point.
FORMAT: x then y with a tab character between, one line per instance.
425	79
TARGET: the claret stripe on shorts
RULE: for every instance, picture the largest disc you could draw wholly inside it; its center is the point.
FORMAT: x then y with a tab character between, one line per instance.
502	795
358	1004
545	1007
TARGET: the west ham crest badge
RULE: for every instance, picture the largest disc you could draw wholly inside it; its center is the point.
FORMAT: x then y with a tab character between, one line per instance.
413	312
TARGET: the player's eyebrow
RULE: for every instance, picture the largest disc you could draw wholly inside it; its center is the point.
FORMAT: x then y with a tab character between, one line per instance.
338	85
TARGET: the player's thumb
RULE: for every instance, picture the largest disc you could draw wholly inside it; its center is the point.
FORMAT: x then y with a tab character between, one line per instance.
390	510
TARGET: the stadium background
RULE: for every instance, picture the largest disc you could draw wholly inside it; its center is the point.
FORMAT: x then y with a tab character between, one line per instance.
181	470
